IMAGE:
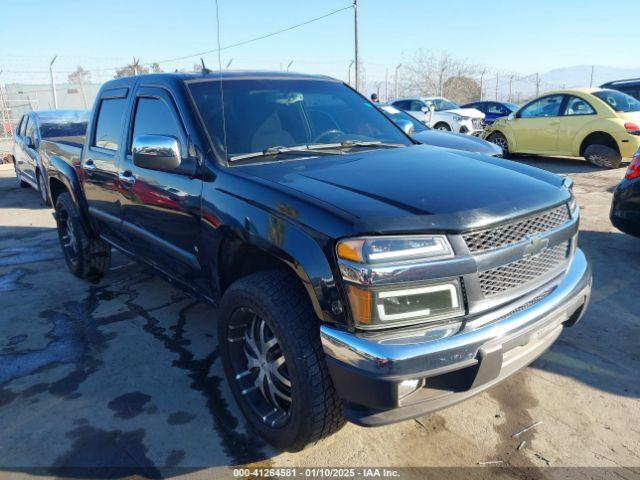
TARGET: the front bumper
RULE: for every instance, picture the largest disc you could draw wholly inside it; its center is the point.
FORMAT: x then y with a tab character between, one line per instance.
455	361
471	127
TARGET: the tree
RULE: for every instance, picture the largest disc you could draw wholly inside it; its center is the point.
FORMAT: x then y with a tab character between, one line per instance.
79	76
461	89
134	68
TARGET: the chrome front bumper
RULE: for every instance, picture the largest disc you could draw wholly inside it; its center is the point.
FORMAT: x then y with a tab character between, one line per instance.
462	358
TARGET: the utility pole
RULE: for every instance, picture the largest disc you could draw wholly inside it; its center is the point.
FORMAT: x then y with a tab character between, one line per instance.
53	84
386	84
356	57
537	84
289	66
497	83
397	68
510	83
349	72
591	81
484	70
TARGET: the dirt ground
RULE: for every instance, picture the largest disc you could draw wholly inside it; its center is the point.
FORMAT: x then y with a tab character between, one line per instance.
125	374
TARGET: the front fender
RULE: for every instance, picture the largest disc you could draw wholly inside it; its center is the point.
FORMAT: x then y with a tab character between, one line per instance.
275	232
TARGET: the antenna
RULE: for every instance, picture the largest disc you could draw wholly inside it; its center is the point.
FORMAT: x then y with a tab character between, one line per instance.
224	119
205	70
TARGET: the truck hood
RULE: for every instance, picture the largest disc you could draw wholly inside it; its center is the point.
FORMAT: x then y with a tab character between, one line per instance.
418	188
457	141
467	112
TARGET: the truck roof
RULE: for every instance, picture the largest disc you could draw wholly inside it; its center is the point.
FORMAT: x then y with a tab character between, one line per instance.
215	75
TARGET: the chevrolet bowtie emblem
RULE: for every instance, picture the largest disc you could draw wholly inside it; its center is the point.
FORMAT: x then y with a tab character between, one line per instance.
536	245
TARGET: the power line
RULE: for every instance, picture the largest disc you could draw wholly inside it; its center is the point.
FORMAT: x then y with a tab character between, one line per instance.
251	40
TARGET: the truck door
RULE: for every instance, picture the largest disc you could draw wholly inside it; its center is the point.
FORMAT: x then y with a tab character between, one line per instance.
160	210
29	153
100	160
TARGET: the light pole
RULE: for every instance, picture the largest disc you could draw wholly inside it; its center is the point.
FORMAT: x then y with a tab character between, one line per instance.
482	84
349	72
355	24
53	84
396	78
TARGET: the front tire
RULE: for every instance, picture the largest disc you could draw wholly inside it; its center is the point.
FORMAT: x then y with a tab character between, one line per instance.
21	182
273	360
501	141
602	156
87	258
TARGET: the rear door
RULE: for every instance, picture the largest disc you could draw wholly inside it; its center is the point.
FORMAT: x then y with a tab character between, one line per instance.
537	124
18	148
161	210
577	114
100	161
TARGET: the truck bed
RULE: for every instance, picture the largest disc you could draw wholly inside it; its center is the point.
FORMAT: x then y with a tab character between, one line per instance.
68	149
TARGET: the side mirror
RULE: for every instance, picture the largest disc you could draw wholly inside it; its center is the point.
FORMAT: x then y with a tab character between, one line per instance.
512	115
161	153
406	126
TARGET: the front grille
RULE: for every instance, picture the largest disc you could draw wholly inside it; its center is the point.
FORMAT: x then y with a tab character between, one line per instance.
510	233
477	123
520	272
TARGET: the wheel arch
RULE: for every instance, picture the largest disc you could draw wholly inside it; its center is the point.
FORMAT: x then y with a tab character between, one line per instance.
238	256
62	177
597	137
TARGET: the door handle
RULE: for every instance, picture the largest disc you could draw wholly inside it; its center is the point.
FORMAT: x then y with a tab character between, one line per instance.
127	178
89	166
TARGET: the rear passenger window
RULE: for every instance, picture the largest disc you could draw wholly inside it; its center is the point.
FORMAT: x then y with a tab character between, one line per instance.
109	123
153	117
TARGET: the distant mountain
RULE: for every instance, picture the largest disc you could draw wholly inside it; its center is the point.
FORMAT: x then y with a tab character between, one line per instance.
580	75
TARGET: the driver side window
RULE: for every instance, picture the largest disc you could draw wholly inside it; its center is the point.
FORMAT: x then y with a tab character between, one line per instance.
543	107
416	106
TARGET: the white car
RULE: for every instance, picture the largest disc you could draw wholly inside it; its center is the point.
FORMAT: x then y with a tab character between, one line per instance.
442	114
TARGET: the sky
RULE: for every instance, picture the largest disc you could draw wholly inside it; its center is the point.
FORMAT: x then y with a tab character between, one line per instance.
505	35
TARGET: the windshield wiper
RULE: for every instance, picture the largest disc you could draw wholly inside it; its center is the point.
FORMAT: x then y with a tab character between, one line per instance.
318	148
272	151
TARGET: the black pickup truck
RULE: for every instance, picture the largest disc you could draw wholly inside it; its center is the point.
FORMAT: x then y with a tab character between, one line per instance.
358	275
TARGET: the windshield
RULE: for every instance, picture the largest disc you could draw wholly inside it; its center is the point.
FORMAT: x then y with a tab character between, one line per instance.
620	102
260	114
442	104
394	115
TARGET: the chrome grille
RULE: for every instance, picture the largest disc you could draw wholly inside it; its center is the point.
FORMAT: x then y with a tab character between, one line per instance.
477	123
510	233
520	272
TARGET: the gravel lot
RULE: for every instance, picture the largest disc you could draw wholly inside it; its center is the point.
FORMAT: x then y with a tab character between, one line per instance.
124	374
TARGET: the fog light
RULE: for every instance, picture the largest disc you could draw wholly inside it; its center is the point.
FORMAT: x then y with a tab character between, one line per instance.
407	387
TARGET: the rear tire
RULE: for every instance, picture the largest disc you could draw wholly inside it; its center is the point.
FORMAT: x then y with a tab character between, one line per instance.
290	363
442	127
87	258
602	156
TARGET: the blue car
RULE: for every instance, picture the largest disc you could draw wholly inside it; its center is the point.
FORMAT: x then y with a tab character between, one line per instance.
493	110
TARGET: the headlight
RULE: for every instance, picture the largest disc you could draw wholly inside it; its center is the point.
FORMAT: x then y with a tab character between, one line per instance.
394	305
405	306
394	249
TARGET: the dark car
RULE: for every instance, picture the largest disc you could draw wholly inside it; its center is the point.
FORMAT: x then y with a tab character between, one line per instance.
33	128
493	110
358	275
625	207
630	87
438	138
